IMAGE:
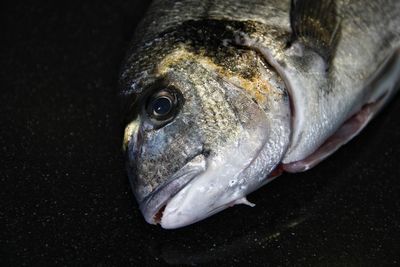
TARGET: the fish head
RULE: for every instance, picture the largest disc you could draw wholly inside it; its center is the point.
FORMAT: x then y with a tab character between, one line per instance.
204	134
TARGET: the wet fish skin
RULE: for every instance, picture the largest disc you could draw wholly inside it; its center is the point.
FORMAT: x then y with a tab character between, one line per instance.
237	65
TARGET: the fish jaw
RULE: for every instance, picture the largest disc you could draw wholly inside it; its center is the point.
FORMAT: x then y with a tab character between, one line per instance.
205	186
207	194
152	205
231	174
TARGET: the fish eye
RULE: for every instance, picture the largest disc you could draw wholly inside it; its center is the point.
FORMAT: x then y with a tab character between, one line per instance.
162	105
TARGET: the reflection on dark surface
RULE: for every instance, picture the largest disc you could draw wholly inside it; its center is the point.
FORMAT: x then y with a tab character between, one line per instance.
256	240
65	198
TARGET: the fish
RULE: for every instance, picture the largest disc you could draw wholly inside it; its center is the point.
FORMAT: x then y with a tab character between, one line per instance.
223	96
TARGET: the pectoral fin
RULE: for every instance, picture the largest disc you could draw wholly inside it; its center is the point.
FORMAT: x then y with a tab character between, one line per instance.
316	25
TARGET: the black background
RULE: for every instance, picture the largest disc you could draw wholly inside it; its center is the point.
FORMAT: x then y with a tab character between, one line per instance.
65	197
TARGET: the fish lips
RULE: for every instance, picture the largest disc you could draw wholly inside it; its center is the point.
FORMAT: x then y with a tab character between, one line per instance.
153	205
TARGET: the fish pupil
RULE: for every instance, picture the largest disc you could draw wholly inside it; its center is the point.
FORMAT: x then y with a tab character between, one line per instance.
162	106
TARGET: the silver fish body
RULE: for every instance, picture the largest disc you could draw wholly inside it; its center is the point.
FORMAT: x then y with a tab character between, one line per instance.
223	96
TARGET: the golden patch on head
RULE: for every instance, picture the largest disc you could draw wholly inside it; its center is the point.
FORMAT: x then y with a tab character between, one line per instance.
244	71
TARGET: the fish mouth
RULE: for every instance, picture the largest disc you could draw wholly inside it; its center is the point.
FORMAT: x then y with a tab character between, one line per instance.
200	172
224	184
153	206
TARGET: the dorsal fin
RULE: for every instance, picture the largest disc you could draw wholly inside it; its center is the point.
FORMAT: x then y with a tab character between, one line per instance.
316	25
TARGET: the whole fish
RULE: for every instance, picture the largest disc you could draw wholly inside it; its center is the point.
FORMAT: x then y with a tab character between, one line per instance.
223	96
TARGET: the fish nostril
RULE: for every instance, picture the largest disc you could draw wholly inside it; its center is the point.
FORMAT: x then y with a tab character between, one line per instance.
206	152
157	217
